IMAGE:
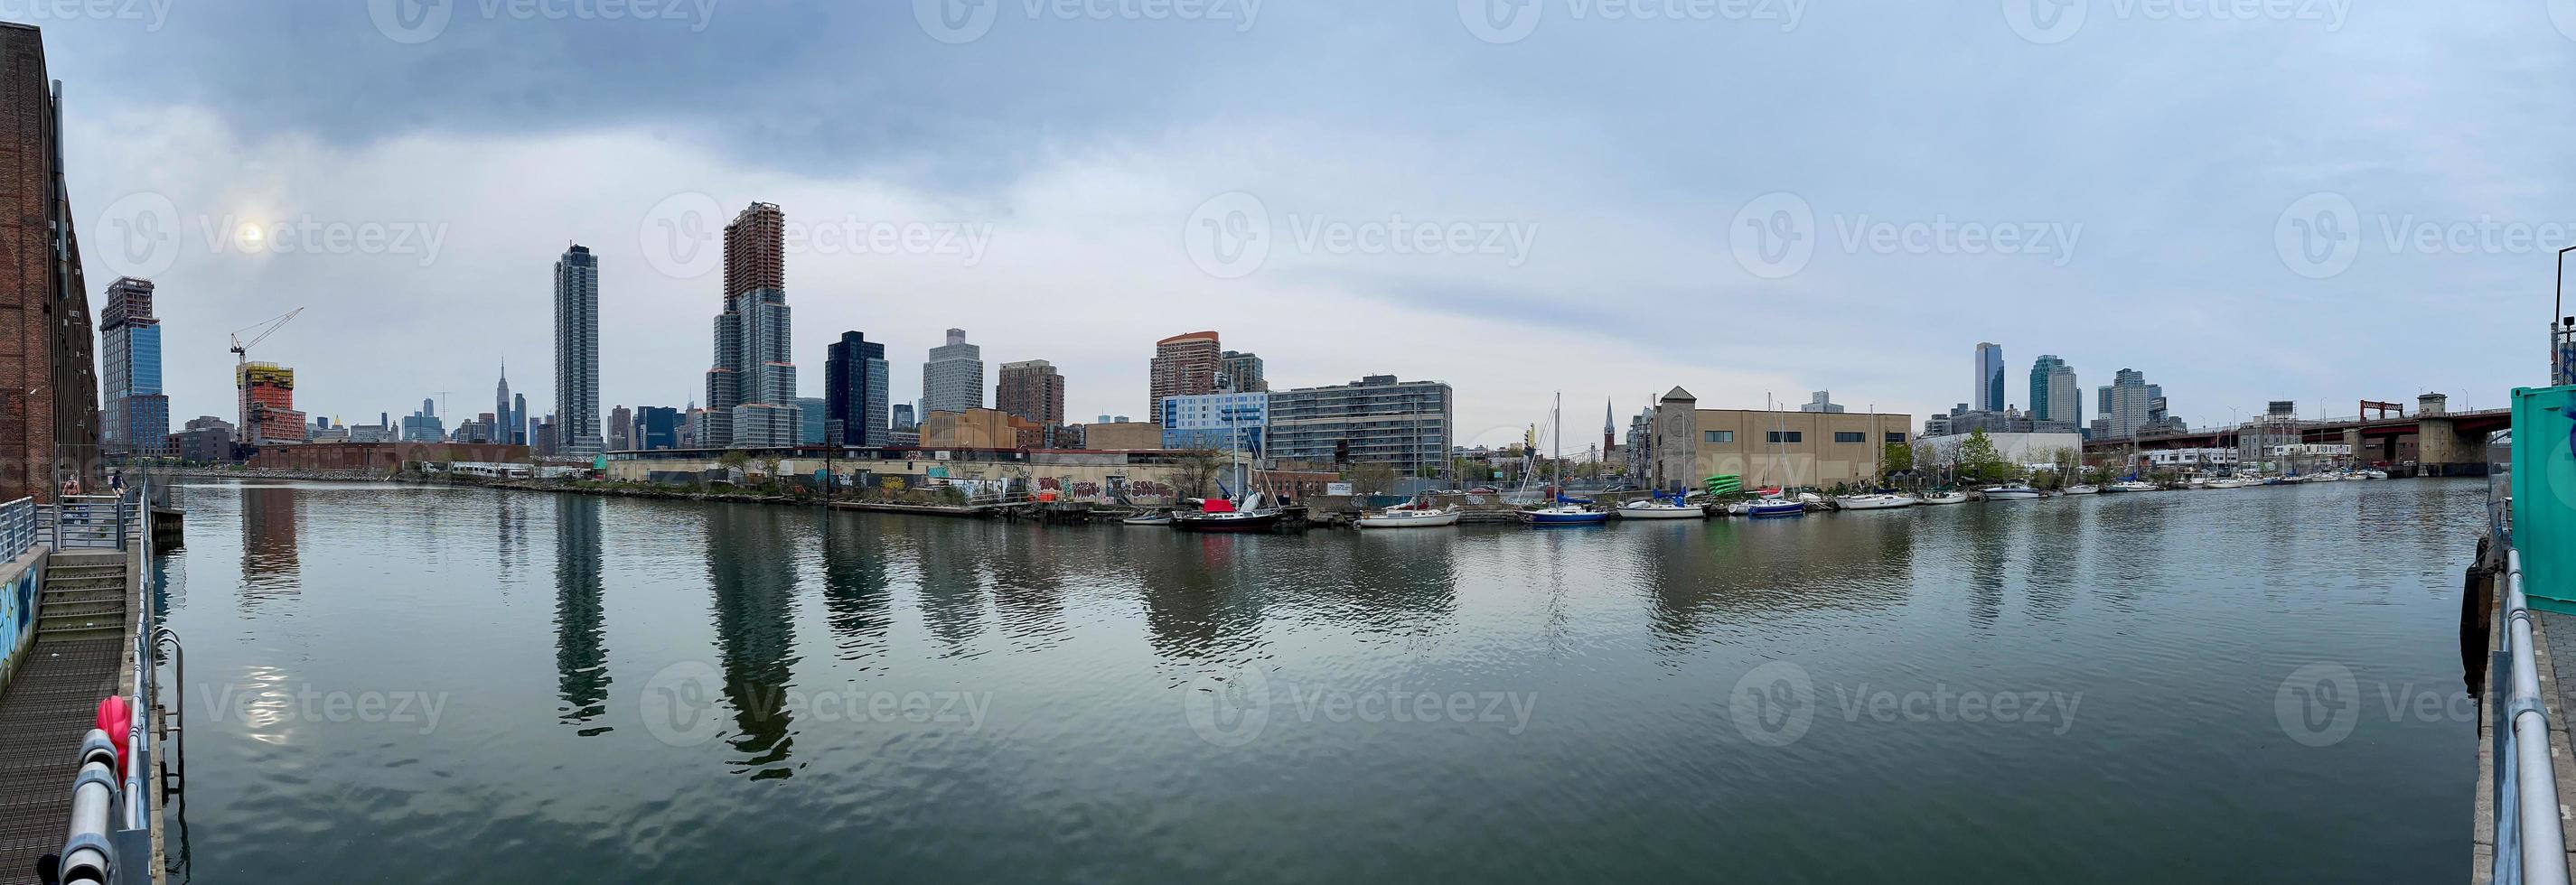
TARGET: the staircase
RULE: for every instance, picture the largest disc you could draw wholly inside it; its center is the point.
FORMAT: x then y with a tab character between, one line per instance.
84	596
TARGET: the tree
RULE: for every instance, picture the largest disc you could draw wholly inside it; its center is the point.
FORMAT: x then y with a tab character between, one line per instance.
1898	459
1978	459
1372	478
1192	470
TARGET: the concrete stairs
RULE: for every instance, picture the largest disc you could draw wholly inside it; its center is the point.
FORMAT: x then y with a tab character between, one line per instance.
84	597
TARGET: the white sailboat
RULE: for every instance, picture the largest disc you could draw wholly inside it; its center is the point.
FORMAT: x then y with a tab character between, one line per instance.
1876	502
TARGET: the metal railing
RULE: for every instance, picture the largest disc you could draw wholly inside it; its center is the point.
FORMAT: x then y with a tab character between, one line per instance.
17	528
2530	847
109	841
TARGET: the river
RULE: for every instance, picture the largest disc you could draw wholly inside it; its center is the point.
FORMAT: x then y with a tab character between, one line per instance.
440	684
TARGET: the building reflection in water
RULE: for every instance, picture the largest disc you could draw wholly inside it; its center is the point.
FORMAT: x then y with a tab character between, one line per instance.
1706	577
581	658
952	583
1198	604
269	567
1027	564
856	602
751	565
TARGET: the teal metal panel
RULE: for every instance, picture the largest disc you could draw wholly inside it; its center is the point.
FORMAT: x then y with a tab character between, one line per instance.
2544	493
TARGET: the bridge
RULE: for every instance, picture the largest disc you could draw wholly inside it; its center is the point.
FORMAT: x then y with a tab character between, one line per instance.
2436	442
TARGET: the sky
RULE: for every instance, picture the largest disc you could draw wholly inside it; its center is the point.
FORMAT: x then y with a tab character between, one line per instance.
2246	200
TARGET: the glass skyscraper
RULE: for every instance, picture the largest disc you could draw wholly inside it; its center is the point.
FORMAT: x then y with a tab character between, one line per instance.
136	419
576	354
855	379
2054	395
1990	378
751	390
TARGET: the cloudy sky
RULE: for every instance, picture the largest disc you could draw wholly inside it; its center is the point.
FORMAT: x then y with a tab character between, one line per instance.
2291	199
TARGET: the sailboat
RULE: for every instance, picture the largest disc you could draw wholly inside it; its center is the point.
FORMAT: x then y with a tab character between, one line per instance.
1777	503
2076	484
1566	511
1226	514
1657	505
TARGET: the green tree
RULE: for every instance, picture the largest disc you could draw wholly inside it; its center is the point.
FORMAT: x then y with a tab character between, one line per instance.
1372	478
1979	460
1899	458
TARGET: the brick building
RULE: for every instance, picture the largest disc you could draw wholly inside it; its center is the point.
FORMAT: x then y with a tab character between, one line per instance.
1184	365
45	334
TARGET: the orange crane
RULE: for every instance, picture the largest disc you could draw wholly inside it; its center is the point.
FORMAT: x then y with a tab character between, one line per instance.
241	361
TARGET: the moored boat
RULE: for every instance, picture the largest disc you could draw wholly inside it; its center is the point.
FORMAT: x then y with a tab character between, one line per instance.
1659	508
1939	498
2132	485
1410	516
1221	515
1162	518
1565	514
1875	502
1769	507
2013	491
2085	489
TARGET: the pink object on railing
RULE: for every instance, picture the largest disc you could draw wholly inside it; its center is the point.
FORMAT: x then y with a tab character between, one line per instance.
115	719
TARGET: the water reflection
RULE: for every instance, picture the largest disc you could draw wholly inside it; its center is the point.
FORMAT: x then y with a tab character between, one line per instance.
581	658
1198	606
751	566
269	567
856	602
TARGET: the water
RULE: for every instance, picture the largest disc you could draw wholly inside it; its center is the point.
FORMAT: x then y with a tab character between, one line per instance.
667	692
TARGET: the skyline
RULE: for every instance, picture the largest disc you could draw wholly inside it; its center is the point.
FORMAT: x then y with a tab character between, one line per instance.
1050	223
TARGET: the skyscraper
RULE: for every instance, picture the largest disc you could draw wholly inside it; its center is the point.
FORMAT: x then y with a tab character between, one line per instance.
577	353
518	419
1184	365
751	390
621	429
2054	394
1031	389
1243	370
137	418
854	389
1988	395
502	410
2131	404
953	379
268	404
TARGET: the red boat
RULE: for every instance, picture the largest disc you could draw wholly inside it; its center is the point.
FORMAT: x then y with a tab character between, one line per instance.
1220	515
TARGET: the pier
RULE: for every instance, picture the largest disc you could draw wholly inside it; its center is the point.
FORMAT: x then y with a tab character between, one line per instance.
78	583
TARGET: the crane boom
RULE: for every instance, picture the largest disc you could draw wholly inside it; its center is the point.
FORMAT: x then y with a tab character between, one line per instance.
266	328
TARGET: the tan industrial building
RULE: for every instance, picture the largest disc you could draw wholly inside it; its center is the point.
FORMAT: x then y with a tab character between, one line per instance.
1768	448
1122	436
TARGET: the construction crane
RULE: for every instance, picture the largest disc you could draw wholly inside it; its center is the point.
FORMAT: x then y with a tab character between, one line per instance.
241	361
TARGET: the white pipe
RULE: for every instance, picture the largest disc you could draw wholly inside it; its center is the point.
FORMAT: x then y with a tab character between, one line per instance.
2544	844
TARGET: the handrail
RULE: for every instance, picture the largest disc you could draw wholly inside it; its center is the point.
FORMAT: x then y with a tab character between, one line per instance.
2530	847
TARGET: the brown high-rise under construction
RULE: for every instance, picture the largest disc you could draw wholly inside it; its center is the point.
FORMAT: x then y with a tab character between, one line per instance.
48	375
755	250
